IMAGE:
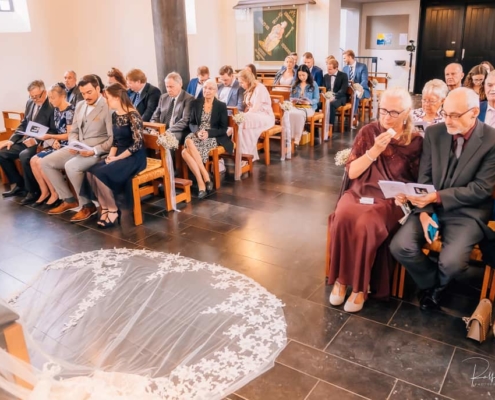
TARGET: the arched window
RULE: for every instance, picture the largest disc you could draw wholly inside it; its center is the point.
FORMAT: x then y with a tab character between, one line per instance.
191	17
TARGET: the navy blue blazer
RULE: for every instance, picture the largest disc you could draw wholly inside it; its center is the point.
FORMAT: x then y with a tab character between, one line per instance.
148	101
236	95
317	73
483	108
361	77
191	88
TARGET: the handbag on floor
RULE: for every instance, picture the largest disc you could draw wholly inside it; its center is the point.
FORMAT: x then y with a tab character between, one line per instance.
479	323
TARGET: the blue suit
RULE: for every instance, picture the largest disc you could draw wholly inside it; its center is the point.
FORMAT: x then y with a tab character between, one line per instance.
361	77
191	88
483	108
317	74
236	95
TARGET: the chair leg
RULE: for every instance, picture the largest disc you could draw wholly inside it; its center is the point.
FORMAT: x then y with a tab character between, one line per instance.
266	146
16	346
138	216
492	287
342	120
402	281
216	168
395	279
486	282
312	132
167	189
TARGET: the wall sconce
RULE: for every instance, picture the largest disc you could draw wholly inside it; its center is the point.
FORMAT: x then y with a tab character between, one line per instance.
449	53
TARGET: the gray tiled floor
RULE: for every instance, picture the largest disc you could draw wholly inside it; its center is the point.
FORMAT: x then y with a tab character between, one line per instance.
272	227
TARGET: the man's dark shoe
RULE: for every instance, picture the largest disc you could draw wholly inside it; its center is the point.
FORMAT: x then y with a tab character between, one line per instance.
430	299
29	199
16	191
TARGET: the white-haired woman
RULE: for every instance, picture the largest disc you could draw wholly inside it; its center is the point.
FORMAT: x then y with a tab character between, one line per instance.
258	112
360	233
433	95
208	124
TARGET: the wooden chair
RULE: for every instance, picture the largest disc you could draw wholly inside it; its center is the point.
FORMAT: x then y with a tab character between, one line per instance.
320	120
12	120
277	100
248	168
156	169
346	110
13	336
487	287
366	105
280	90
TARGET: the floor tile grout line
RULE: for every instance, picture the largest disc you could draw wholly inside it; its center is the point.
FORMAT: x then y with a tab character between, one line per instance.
422	388
314	291
312	389
319	379
393	388
447	370
336	333
395	312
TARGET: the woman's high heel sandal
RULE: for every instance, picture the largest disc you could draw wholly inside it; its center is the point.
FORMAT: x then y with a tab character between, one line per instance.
107	223
336	298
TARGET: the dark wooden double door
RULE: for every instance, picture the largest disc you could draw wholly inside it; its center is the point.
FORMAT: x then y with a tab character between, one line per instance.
467	29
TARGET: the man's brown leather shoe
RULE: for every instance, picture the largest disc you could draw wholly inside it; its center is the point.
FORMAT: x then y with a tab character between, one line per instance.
63	208
84	214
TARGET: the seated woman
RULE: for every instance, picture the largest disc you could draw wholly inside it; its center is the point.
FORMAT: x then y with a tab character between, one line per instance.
127	157
305	95
258	113
286	75
208	123
433	95
475	80
360	233
63	116
115	75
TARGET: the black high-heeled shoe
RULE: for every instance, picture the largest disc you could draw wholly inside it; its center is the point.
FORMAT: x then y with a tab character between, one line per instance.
107	223
202	194
209	186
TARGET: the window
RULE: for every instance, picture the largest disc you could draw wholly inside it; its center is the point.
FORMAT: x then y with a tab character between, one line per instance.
6	5
191	17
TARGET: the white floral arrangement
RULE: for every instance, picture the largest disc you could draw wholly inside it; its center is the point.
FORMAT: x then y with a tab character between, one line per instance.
239	118
358	89
342	156
286	105
389	76
168	141
330	96
374	83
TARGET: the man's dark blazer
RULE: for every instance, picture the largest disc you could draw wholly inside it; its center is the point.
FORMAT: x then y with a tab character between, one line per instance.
470	191
340	86
219	122
317	73
44	117
236	95
148	101
75	96
180	117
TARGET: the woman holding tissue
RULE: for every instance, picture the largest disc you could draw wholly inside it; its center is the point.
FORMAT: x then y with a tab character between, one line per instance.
360	233
63	116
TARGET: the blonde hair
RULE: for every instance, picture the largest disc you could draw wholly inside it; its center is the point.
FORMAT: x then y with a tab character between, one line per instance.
247	75
403	95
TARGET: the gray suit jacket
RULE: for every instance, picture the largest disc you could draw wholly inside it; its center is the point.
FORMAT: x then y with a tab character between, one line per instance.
473	180
181	115
236	95
94	129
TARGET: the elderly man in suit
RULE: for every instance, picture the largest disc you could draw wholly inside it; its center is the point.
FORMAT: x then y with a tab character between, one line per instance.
92	125
229	90
195	87
143	95
453	75
487	108
316	72
336	82
458	158
174	108
357	73
74	95
22	147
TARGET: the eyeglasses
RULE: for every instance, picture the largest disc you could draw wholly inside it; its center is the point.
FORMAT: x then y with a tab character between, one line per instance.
478	80
38	97
429	101
453	116
393	113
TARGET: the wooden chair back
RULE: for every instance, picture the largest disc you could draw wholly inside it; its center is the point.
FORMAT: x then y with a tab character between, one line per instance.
277	101
11	120
323	89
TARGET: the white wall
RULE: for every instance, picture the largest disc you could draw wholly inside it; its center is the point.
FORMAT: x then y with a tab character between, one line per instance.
387	57
90	38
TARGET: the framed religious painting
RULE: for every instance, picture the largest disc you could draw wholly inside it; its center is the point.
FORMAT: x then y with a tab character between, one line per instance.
275	34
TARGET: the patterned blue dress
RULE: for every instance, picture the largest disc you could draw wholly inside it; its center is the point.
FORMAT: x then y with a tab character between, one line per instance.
62	119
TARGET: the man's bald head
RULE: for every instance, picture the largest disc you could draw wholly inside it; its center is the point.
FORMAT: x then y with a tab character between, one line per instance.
460	110
454	75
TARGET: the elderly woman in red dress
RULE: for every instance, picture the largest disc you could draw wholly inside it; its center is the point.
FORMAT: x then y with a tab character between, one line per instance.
360	233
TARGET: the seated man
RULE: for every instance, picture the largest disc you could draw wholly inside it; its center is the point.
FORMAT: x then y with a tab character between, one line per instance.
143	95
458	158
357	73
229	90
195	87
92	125
336	82
39	110
174	108
317	72
453	75
294	57
74	96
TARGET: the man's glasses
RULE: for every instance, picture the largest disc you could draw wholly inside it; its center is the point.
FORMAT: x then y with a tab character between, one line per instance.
453	116
393	113
38	97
